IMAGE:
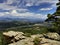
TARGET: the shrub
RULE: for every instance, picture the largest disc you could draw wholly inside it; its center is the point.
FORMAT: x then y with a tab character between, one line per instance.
28	34
37	41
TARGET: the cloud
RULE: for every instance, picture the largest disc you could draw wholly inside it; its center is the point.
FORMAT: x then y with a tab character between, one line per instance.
27	15
2	14
28	4
18	8
6	7
46	9
13	4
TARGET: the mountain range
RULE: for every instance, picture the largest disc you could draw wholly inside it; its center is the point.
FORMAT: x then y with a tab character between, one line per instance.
7	19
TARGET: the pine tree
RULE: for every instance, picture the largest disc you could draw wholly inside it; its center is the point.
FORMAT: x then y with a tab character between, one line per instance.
58	9
55	18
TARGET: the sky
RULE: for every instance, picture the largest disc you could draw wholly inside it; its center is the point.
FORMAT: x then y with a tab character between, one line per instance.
30	9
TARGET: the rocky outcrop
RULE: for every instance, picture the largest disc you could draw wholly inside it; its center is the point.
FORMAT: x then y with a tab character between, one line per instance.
13	36
53	36
27	41
19	38
37	35
46	41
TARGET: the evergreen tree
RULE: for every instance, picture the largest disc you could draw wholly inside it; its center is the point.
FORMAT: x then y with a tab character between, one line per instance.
55	18
58	9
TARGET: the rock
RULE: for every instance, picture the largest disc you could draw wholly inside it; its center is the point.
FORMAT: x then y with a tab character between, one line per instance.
37	35
11	44
46	44
12	36
53	36
12	33
49	42
18	38
26	41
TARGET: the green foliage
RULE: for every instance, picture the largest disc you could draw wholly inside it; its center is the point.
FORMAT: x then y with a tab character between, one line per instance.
55	21
49	15
2	41
0	38
58	3
28	34
37	41
30	30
